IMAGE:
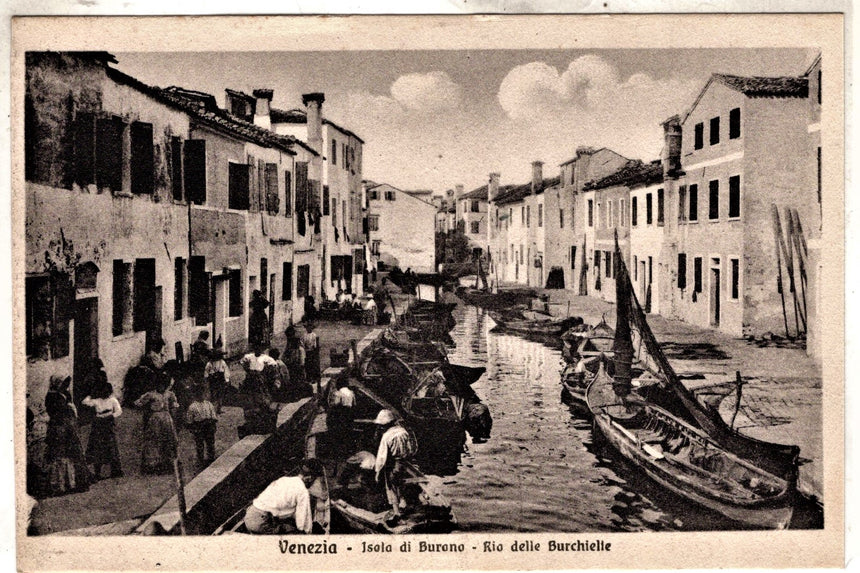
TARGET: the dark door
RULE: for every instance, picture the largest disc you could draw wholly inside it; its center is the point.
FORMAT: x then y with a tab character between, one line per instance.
86	343
715	297
144	298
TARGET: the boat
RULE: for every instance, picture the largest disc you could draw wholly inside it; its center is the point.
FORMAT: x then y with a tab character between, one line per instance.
531	322
643	410
584	350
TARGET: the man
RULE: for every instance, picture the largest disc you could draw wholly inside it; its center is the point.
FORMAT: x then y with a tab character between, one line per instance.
285	505
395	447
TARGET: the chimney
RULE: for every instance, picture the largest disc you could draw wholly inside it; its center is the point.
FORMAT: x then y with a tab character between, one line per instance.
537	176
671	155
493	187
458	191
313	104
261	108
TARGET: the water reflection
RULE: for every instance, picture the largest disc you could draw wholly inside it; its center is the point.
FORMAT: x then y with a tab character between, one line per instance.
543	470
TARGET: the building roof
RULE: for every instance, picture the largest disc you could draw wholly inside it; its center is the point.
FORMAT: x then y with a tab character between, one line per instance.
480	193
758	86
202	107
514	193
300	116
580	151
633	174
412	194
420	192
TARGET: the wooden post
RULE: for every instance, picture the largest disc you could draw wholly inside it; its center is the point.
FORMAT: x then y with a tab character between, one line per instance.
777	235
180	493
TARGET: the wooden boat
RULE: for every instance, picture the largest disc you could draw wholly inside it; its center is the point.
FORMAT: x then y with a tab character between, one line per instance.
356	502
529	322
584	351
640	406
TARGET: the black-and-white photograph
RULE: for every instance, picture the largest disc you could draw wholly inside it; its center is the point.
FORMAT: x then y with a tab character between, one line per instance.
431	291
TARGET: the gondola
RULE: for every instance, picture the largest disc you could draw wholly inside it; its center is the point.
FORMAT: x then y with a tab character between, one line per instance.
584	349
640	406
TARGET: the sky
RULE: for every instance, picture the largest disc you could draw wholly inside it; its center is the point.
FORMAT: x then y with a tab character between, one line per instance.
435	119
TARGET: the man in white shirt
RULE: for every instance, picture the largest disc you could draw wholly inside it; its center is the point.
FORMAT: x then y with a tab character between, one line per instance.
395	447
285	505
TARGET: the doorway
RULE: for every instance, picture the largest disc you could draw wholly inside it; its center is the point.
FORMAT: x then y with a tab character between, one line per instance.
86	332
715	292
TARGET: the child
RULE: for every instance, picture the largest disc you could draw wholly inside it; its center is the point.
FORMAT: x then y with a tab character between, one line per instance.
202	420
216	376
102	448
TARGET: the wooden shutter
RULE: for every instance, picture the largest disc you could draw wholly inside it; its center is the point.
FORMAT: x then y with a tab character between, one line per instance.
109	153
142	159
195	171
85	149
273	199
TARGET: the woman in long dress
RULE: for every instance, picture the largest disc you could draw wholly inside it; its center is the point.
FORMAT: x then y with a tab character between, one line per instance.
64	456
159	432
102	448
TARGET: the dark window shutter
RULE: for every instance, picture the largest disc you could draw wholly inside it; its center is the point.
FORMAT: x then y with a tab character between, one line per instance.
142	159
109	153
85	149
273	199
288	194
714	199
682	270
176	168
326	209
238	190
301	187
195	171
735	123
694	203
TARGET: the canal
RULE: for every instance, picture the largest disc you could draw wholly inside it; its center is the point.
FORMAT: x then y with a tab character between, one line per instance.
542	469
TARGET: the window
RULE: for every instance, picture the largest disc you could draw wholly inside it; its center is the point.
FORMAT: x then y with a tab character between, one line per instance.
475	206
521	254
235	296
682	203
649	209
264	278
713	199
302	191
610	216
343	157
390	196
373	223
528	215
49	306
287	288
83	152
622	212
735	123
591	212
374	247
715	131
109	155
660	209
334	152
121	297
682	271
699	141
325	201
142	159
734	196
194	170
608	259
273	198
573	257
475	227
736	278
634	211
198	290
303	280
694	203
374	195
288	194
178	288
697	274
540	215
239	192
561	218
176	168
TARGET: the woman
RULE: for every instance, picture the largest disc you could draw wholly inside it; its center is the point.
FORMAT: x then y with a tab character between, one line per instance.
102	448
258	322
294	356
159	433
64	456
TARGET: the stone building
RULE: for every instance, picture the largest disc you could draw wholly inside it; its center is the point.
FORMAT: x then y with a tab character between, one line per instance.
745	157
401	228
472	211
150	214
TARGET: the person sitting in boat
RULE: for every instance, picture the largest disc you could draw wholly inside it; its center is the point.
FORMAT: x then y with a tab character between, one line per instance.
285	505
395	447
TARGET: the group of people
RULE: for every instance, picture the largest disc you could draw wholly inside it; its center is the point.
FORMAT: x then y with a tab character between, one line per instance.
285	506
67	467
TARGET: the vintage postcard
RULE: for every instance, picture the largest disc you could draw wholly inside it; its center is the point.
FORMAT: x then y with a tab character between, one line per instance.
469	292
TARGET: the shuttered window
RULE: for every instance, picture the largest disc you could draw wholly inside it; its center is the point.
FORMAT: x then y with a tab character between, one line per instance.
142	159
194	170
238	190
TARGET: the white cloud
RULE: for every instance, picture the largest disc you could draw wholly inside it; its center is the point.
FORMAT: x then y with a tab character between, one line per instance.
433	91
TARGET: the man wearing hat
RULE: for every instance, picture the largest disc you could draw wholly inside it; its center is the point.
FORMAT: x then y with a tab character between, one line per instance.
395	447
285	505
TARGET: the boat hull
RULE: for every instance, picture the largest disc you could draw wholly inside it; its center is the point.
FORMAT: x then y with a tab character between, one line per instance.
768	514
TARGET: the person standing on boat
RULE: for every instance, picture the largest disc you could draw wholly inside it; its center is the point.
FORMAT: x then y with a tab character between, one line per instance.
285	505
395	447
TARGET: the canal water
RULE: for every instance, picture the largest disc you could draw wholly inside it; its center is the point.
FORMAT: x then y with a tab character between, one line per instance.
542	469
